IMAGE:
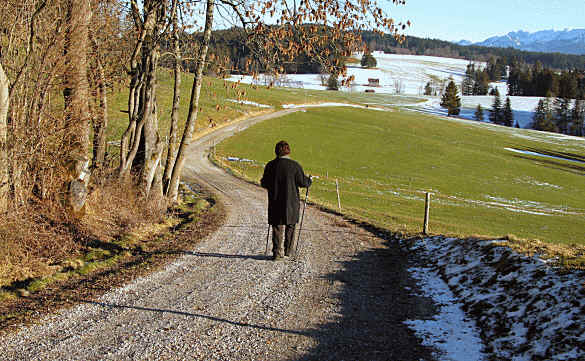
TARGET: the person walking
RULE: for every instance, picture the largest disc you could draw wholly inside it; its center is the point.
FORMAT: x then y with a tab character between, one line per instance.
282	178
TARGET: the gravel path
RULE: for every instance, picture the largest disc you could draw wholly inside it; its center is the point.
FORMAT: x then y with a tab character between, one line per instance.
344	298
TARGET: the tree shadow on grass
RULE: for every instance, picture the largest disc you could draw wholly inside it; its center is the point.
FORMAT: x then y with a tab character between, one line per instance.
573	157
376	297
554	164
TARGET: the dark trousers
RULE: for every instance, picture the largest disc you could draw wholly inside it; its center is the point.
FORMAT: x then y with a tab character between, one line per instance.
283	239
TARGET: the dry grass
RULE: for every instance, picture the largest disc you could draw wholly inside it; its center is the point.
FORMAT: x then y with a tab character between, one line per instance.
117	208
38	236
567	256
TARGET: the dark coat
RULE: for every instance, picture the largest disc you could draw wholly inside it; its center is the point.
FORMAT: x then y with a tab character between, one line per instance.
282	177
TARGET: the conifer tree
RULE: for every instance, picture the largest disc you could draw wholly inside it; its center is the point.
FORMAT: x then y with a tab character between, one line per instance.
496	110
451	100
577	118
543	117
468	84
333	82
507	114
368	60
478	113
562	114
428	89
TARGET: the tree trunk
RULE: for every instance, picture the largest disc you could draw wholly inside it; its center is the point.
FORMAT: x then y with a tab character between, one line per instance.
172	148
101	120
128	145
76	94
4	105
193	104
140	146
152	151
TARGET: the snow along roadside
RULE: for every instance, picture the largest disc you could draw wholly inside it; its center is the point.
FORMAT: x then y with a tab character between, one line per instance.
526	309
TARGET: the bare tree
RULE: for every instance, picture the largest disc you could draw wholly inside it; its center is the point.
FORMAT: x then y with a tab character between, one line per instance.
45	148
172	145
4	105
76	94
142	131
398	86
173	189
99	115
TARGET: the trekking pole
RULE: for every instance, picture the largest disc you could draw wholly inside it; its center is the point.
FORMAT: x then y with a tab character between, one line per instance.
301	226
267	238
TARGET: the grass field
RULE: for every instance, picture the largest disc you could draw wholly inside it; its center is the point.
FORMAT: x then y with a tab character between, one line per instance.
386	161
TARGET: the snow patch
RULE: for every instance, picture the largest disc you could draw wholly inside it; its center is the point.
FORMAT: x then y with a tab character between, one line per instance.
542	155
247	102
318	105
455	336
526	308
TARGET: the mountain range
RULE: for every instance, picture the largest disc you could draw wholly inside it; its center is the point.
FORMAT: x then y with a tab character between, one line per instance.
547	41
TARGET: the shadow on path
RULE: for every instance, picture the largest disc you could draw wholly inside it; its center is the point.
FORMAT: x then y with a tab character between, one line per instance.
258	257
221	255
196	315
375	297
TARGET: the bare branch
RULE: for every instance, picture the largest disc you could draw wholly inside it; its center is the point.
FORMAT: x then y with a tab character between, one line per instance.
28	47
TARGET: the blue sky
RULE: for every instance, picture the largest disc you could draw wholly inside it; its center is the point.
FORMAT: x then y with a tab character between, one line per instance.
477	20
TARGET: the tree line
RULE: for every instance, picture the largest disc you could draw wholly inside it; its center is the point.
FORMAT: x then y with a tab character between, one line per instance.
232	53
434	47
538	80
562	114
499	113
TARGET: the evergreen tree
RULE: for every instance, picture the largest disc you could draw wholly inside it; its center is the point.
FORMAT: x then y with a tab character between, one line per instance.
543	117
428	89
468	84
507	114
578	118
562	114
513	81
333	82
481	83
496	110
478	113
368	60
451	100
492	69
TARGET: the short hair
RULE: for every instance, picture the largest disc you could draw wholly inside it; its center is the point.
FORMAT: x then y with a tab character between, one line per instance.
282	148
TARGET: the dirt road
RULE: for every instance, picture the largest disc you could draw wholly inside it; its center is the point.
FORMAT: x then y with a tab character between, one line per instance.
344	298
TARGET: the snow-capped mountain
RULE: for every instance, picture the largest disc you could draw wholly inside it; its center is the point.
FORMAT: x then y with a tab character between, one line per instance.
464	42
548	41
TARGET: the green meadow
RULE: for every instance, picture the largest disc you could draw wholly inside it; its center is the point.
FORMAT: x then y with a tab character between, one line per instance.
385	162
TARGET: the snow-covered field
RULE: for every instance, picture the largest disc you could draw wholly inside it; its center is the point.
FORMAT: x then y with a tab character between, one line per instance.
407	75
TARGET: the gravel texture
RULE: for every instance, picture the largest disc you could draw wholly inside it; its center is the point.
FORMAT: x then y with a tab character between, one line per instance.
345	297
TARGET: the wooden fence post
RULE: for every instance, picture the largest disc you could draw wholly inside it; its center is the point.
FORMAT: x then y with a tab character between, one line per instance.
338	199
427	208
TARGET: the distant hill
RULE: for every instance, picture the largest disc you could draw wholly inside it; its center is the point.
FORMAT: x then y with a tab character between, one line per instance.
435	47
546	41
